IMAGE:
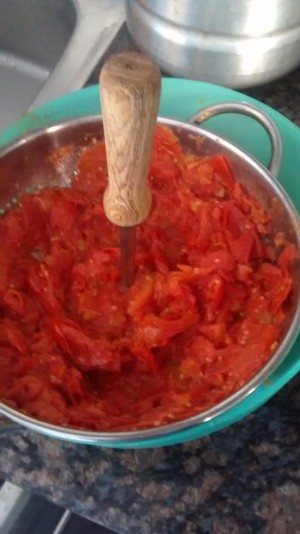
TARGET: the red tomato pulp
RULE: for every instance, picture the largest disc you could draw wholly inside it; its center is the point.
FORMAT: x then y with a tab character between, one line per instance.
203	316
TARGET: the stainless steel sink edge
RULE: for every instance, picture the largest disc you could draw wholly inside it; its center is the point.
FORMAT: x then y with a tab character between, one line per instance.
98	22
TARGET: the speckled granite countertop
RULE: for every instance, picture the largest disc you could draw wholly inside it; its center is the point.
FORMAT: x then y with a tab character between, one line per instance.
244	479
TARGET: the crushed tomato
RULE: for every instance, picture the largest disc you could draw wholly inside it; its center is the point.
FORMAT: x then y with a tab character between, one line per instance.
203	316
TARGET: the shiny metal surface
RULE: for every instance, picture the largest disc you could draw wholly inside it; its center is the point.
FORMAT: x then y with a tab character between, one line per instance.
23	512
31	155
258	115
127	248
50	47
13	501
237	43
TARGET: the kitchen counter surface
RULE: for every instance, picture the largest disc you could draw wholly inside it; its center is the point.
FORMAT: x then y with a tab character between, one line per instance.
243	479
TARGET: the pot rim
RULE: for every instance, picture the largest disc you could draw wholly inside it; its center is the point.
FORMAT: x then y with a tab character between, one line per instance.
97	437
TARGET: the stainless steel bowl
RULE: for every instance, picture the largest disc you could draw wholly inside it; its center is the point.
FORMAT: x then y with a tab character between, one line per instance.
25	164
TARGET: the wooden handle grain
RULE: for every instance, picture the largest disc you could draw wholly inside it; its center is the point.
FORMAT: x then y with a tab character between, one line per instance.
129	89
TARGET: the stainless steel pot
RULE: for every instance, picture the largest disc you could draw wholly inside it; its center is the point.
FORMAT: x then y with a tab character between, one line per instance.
28	160
236	43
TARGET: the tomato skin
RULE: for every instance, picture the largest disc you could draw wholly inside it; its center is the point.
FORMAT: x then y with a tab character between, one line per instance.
86	352
141	294
156	332
219	260
222	169
204	314
167	160
215	332
241	248
11	336
14	301
214	291
234	219
42	285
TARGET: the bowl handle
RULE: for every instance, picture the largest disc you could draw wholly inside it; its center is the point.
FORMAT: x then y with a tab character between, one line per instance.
257	114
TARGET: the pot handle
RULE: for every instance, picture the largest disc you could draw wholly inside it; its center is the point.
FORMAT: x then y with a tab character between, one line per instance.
260	116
